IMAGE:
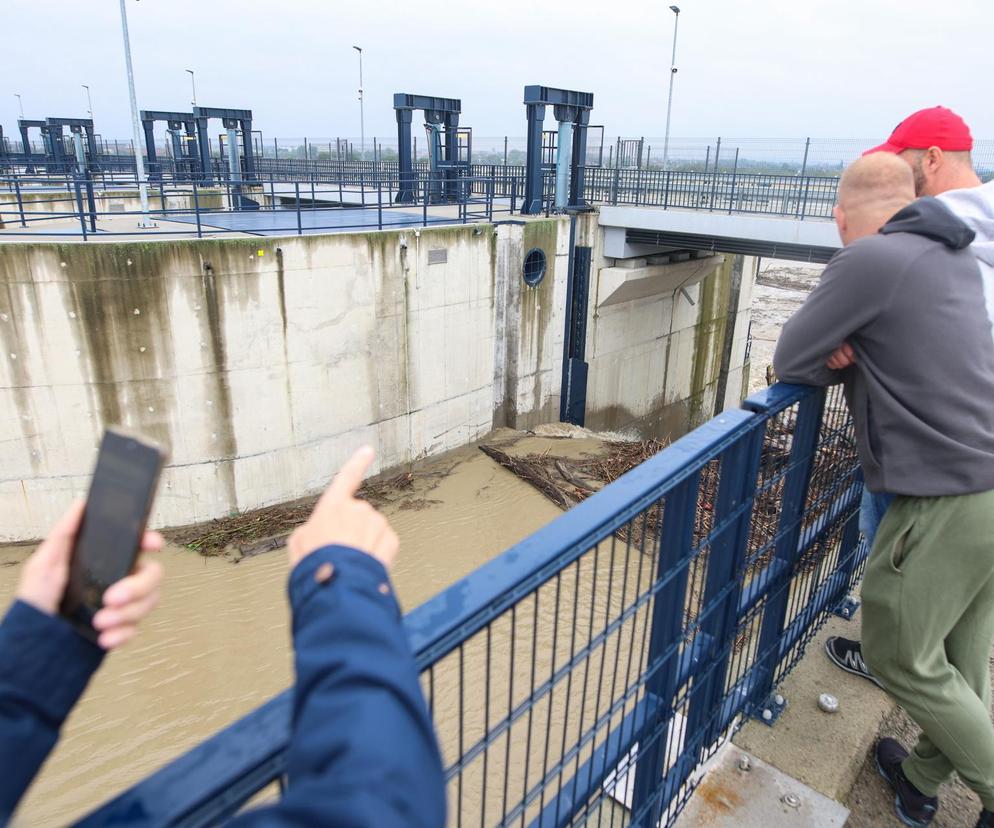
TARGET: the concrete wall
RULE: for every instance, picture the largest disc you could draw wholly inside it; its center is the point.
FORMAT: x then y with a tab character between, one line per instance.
666	339
262	363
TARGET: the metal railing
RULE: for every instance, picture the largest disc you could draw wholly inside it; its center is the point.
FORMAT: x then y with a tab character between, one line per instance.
588	672
181	206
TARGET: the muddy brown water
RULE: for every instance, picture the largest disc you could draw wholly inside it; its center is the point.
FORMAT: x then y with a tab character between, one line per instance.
218	645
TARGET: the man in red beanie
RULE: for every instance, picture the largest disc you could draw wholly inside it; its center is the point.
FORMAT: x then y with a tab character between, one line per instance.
936	143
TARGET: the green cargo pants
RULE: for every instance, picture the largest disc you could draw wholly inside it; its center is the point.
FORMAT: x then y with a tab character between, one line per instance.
928	630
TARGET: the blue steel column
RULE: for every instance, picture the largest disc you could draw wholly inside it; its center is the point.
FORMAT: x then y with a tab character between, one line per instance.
246	124
795	488
451	122
190	150
55	148
405	164
533	170
564	152
26	148
579	165
204	148
91	144
154	171
675	548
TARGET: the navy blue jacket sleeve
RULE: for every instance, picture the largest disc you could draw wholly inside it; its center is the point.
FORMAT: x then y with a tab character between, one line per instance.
44	669
362	751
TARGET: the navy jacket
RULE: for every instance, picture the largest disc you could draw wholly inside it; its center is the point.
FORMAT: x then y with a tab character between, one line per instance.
362	750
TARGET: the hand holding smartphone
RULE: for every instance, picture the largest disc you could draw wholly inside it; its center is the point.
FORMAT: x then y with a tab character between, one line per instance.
109	538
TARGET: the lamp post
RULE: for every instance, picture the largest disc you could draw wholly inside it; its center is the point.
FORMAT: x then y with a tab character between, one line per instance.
362	118
193	84
136	134
669	103
89	101
20	104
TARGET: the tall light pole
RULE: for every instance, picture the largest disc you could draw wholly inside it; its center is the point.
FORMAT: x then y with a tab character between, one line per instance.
89	101
669	103
193	83
362	117
20	104
135	127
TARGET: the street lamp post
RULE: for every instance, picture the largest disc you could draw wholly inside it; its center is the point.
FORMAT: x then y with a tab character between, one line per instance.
135	126
20	104
669	103
362	118
89	101
193	84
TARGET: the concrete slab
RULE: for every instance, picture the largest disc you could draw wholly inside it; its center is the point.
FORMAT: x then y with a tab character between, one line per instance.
758	797
825	751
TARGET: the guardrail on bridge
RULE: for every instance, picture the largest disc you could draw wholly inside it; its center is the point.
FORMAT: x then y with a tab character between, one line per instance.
594	666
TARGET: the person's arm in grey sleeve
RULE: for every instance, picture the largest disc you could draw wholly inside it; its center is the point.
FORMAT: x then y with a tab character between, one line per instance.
853	290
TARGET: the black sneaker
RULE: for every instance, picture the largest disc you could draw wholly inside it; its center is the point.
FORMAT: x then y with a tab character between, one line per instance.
986	819
847	655
912	806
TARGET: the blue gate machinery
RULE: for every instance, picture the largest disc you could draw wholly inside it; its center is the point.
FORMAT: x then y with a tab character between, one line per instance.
184	146
450	149
591	669
572	112
54	158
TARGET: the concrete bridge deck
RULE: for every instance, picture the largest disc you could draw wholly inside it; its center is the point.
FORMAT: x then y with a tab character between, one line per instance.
642	231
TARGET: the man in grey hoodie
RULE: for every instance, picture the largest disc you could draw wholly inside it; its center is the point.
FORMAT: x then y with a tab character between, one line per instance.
907	295
935	143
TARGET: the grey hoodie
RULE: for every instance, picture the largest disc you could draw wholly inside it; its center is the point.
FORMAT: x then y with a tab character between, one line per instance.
913	304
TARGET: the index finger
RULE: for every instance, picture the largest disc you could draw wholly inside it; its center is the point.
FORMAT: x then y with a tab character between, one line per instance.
349	477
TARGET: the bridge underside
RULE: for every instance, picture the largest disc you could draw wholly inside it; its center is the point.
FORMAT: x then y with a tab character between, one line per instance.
641	231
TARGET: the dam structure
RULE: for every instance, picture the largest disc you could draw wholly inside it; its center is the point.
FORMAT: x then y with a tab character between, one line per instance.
262	316
273	317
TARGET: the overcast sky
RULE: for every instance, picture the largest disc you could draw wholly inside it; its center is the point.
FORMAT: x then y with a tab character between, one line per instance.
761	69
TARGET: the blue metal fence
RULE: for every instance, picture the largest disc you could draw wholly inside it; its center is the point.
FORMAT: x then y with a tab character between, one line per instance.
585	674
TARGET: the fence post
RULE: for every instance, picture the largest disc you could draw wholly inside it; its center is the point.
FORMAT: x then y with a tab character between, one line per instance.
196	209
666	194
514	194
614	186
675	545
708	710
20	201
735	170
379	206
714	178
793	496
79	206
804	200
296	189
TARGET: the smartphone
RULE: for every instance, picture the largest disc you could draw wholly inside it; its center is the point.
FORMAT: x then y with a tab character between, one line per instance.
109	537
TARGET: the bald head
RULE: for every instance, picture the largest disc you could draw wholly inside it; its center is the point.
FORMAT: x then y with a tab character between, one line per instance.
872	190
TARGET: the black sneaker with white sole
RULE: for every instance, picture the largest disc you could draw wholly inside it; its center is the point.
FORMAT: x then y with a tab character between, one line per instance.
912	806
847	655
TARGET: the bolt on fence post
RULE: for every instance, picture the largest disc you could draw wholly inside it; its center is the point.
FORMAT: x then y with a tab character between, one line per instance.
196	210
